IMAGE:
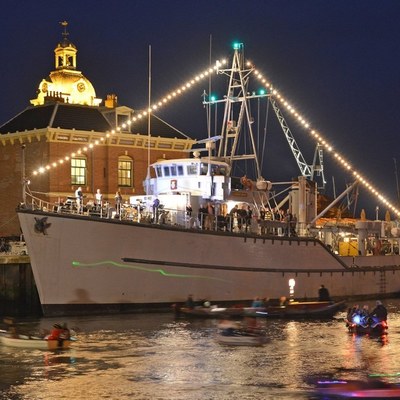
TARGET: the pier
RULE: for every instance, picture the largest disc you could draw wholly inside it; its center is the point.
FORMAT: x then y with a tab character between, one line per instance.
18	293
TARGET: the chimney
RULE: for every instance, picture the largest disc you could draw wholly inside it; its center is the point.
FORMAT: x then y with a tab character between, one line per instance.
111	101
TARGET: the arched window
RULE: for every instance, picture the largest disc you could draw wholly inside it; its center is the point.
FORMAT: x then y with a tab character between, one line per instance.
78	171
125	171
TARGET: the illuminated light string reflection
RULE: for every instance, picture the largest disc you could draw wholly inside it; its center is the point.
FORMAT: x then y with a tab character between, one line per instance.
275	93
139	268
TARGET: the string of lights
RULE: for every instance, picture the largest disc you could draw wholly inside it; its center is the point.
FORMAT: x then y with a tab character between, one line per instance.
274	92
155	106
326	145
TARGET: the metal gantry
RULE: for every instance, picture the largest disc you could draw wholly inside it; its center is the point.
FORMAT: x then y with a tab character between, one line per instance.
237	105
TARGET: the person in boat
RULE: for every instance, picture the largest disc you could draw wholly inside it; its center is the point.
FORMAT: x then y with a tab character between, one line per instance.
190	302
12	328
380	311
323	294
257	303
55	332
59	332
364	315
352	312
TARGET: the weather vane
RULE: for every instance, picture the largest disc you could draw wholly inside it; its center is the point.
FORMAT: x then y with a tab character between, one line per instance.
64	24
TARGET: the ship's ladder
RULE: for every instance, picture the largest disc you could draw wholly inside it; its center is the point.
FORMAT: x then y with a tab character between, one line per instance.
382	282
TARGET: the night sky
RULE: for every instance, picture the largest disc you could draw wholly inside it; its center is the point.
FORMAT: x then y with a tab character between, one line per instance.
338	62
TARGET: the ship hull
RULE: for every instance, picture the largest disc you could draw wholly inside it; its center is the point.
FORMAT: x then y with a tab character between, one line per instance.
86	265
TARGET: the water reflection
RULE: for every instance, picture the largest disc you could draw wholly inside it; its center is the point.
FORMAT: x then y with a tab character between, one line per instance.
155	356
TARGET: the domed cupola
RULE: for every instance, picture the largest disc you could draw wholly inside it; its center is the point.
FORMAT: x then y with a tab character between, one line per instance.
66	84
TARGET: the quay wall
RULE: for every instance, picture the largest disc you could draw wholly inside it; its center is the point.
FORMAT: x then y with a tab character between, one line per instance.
18	293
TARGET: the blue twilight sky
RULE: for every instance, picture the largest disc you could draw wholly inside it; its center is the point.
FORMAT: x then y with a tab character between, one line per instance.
338	62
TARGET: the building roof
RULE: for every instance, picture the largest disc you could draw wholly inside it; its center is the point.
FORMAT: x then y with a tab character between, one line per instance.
57	115
78	117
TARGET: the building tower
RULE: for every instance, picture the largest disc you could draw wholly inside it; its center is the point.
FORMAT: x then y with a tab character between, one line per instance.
66	84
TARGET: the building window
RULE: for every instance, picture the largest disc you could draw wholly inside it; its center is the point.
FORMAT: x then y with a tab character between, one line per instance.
78	171
125	172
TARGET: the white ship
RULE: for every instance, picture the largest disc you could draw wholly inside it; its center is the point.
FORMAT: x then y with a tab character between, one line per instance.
147	257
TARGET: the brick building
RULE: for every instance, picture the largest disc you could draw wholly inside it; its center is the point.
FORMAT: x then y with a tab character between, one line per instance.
74	140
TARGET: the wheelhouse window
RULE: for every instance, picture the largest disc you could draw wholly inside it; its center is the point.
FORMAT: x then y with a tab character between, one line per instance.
78	171
203	169
125	172
180	170
192	169
166	171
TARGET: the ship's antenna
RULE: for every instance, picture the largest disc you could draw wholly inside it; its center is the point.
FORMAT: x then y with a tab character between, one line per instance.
397	180
209	90
149	122
209	113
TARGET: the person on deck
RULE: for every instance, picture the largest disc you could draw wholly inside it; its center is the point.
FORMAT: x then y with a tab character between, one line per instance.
118	202
156	209
79	199
98	199
323	294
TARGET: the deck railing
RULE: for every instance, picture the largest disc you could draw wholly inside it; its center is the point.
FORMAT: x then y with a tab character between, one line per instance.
161	216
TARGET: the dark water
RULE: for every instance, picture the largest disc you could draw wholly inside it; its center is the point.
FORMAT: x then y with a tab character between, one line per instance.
157	357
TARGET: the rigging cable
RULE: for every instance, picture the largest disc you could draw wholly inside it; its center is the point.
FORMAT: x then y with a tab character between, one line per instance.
265	134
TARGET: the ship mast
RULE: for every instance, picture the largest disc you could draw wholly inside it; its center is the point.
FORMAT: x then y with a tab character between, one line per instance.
237	106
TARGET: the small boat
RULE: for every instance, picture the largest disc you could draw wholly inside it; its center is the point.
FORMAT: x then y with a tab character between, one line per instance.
367	326
233	334
375	389
297	309
294	309
33	342
212	311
